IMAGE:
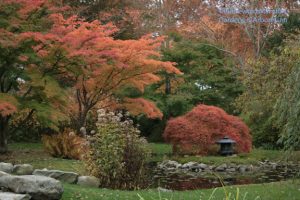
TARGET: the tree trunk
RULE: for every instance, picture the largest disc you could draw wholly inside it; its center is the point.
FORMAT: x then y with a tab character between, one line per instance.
3	134
168	84
81	120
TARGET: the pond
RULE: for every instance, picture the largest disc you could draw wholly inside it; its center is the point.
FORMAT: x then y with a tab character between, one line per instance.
194	180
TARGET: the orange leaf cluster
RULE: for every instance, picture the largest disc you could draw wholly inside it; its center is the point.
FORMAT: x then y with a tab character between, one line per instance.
140	105
66	145
7	109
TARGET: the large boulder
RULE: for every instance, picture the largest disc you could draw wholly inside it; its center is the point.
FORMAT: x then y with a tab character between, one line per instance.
67	177
13	196
24	169
6	167
89	181
38	187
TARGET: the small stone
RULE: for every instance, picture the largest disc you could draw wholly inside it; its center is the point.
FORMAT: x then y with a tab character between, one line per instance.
190	165
163	189
167	164
203	166
221	168
83	130
6	167
230	169
242	169
13	196
89	181
24	169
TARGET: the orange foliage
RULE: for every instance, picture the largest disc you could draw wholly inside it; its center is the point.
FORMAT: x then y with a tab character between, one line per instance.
140	105
86	53
197	131
106	64
7	109
66	145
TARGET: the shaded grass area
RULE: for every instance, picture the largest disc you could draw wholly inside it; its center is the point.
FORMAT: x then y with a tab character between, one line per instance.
34	154
164	151
287	190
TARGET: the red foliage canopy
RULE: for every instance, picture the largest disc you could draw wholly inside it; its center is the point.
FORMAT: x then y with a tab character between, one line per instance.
197	131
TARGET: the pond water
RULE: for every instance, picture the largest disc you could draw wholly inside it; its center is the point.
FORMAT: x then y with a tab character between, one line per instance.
192	181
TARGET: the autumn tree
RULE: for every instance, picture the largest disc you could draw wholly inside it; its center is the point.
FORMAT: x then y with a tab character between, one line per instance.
28	71
102	65
209	77
197	131
124	14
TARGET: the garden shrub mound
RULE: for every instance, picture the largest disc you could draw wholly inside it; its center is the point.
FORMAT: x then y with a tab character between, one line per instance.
117	154
197	131
66	145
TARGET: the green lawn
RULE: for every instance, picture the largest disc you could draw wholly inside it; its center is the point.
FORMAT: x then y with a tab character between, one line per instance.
164	151
288	190
34	154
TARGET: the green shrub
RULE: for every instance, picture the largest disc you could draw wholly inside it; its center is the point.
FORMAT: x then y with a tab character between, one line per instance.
117	154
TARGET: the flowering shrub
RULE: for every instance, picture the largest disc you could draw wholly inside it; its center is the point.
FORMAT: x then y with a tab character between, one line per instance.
117	154
197	131
66	145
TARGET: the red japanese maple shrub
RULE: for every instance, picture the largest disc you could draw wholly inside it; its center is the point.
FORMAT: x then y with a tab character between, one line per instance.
197	131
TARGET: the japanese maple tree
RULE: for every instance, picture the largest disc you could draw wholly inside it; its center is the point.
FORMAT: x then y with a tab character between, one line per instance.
106	64
70	52
197	131
29	80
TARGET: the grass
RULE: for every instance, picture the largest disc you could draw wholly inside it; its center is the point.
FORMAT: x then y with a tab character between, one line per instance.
160	151
33	153
164	151
287	190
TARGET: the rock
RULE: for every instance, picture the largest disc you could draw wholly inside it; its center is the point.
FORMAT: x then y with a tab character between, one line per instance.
6	167
242	169
163	189
67	177
38	187
274	166
249	168
24	169
230	170
190	165
89	181
3	174
13	196
221	168
203	166
83	131
232	165
169	164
